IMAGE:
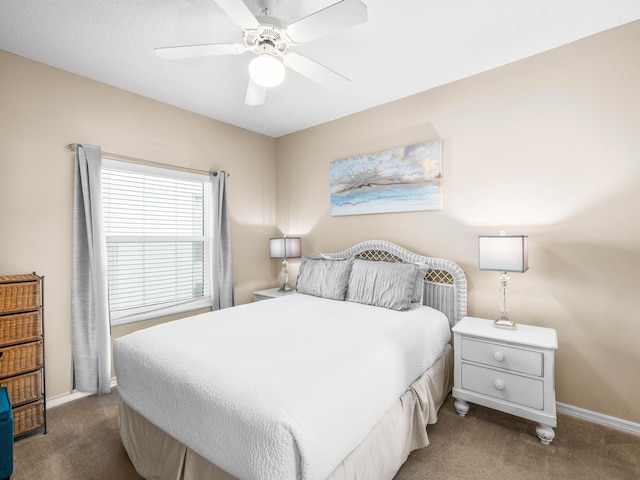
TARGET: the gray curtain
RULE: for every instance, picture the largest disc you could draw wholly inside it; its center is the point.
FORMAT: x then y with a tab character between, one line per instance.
222	261
90	329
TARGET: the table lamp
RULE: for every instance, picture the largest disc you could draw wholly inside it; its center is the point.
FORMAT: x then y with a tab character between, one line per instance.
284	247
503	253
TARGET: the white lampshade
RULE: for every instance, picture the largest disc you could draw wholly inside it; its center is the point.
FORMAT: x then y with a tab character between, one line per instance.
286	247
266	70
504	253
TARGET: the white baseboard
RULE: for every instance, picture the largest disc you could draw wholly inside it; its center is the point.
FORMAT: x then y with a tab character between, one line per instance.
599	418
71	397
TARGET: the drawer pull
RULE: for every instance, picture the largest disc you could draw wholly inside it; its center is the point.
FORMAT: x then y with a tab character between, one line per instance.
498	384
498	356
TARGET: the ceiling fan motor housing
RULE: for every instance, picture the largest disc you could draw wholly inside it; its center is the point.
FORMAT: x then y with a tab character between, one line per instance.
266	39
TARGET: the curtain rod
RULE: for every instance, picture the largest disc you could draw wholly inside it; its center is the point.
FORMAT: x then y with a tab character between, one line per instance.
124	158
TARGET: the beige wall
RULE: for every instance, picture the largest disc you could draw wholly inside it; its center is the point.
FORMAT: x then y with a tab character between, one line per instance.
41	111
548	147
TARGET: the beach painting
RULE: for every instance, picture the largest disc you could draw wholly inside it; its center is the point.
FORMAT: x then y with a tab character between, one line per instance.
401	179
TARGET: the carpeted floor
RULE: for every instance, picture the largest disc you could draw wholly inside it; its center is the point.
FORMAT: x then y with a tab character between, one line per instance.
83	443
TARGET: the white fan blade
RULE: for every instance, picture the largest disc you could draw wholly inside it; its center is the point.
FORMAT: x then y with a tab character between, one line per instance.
193	51
338	16
256	94
239	13
316	72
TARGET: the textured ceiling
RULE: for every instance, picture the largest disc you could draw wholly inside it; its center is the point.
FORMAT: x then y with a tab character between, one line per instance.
407	46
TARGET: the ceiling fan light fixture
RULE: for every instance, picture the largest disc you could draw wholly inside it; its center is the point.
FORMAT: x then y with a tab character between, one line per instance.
267	70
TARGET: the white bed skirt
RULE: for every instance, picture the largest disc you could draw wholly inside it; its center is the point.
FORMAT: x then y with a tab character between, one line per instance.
158	456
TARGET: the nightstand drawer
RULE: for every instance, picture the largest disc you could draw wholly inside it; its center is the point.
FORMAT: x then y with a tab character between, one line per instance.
503	356
506	386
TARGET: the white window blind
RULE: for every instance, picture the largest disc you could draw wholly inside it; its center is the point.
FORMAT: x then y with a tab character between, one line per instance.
156	226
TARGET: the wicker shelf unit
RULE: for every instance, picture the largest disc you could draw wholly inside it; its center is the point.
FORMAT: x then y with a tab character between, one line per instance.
22	350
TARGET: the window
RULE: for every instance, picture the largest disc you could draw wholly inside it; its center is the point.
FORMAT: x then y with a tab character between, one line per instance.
157	232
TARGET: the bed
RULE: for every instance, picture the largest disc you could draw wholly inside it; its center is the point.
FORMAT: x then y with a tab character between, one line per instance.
339	380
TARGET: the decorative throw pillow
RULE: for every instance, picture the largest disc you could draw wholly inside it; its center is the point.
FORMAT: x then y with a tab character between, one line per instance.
382	284
324	277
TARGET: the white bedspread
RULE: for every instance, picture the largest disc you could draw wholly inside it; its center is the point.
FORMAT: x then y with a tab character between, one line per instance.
281	389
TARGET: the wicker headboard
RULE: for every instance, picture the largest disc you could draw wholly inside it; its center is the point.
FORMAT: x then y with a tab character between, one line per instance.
445	284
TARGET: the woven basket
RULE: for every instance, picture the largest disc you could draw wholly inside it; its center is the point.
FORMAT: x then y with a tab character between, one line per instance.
24	388
28	417
15	297
20	358
22	327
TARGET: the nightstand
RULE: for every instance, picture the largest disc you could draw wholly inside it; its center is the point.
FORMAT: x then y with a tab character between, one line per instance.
270	293
507	370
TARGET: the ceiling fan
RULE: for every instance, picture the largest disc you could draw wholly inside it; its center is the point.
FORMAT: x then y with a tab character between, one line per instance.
270	41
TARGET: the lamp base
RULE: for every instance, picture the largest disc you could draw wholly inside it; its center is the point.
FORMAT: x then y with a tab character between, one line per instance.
285	274
504	322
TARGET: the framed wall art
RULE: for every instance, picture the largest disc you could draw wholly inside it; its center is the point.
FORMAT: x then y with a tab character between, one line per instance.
401	179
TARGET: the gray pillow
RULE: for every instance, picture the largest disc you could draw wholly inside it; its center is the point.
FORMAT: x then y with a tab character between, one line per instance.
324	277
421	271
382	284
